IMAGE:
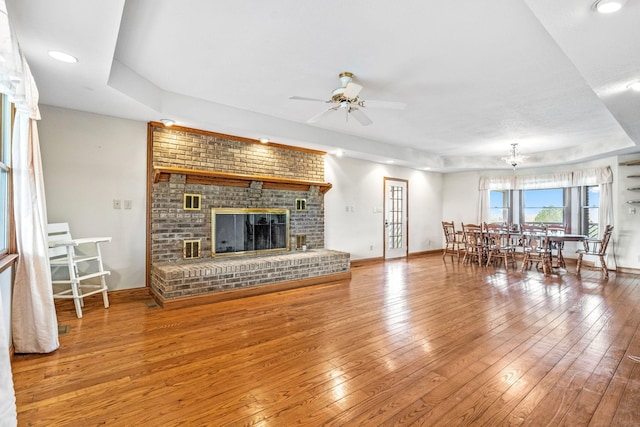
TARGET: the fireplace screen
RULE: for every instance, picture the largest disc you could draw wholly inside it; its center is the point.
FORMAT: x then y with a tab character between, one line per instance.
241	231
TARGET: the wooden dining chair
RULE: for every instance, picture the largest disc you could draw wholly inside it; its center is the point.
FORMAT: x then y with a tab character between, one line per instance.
451	242
556	229
598	248
536	248
499	245
474	242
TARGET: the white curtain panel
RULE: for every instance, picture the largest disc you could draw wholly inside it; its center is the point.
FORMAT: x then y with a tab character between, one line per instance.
33	320
595	176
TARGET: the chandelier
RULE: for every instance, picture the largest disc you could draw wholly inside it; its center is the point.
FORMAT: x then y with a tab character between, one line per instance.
514	158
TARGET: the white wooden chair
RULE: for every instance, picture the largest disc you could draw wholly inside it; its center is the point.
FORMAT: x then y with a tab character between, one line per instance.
74	261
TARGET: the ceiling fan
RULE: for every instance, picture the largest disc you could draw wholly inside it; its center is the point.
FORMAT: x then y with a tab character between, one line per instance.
347	98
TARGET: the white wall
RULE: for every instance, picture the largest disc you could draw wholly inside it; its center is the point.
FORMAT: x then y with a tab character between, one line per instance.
360	184
460	203
89	160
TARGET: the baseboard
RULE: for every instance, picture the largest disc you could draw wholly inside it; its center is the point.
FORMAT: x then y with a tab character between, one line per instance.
368	261
220	296
425	253
131	291
627	270
365	261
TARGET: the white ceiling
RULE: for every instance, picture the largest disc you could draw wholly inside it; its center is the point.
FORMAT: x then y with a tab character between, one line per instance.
476	75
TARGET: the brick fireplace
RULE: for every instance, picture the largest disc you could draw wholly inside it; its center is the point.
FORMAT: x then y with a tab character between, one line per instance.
193	172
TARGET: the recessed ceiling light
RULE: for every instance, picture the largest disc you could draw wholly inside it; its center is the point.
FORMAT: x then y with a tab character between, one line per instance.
635	86
167	122
264	140
389	161
609	6
339	153
62	56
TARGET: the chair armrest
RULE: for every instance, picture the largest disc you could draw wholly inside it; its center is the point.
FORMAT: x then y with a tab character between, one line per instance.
76	242
591	246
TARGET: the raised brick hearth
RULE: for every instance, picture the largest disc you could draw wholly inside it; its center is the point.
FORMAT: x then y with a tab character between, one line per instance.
172	280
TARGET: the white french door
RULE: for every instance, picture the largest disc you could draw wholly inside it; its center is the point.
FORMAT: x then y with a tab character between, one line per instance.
395	218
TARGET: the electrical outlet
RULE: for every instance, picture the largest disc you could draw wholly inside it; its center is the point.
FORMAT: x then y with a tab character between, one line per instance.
117	204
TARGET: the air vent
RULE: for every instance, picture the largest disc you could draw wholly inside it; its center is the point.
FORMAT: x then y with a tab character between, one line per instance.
192	202
301	204
191	249
301	242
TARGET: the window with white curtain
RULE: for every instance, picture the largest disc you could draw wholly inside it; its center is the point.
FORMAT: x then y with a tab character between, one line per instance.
579	200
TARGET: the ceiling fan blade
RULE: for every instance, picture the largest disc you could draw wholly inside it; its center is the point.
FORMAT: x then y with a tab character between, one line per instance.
360	117
317	117
385	104
302	98
352	90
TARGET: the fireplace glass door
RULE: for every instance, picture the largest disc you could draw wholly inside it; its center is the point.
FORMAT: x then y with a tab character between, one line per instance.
249	230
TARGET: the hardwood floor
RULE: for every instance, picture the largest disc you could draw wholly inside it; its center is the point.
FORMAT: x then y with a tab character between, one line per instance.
410	342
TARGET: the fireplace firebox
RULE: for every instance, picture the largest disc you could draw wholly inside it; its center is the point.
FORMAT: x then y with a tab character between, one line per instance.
249	231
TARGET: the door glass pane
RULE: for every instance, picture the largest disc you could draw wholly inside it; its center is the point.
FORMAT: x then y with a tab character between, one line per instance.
396	214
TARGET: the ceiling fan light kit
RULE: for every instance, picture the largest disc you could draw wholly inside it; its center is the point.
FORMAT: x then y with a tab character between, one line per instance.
347	98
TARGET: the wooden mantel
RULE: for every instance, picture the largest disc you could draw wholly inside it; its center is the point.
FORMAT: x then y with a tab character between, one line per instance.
197	176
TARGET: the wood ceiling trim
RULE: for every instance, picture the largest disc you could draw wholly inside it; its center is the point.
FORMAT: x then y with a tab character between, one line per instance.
197	176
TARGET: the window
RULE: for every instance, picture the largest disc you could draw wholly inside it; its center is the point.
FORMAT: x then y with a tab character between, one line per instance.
544	206
500	206
567	200
589	221
5	146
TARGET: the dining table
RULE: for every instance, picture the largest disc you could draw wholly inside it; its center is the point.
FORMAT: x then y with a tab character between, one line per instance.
559	239
556	240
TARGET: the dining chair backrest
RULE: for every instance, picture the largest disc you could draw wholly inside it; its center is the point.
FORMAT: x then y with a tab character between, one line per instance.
556	228
498	234
606	237
533	228
496	227
473	234
449	230
534	235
